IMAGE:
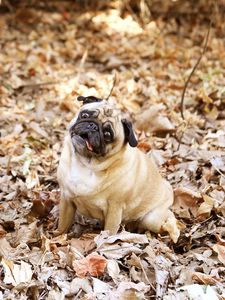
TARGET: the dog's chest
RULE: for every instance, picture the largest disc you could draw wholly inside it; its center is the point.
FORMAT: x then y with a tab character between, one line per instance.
83	181
86	187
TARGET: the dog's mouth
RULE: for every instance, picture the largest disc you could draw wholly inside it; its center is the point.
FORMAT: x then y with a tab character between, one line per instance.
87	138
90	147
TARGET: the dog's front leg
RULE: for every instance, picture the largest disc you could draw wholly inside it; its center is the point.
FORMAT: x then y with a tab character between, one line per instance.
66	214
113	219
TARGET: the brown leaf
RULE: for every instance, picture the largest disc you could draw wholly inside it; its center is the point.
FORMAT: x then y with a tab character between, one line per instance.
220	250
152	120
220	240
40	208
205	208
205	279
94	264
145	147
186	202
42	204
83	245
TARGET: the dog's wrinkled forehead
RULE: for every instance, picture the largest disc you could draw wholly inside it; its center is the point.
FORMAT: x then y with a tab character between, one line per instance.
104	108
103	111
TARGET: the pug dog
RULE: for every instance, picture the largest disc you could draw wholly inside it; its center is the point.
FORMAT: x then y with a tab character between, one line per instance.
103	175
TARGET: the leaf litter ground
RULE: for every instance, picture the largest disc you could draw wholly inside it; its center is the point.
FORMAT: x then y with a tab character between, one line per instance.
49	57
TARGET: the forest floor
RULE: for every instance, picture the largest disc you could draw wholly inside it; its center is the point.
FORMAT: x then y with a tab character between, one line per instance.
50	56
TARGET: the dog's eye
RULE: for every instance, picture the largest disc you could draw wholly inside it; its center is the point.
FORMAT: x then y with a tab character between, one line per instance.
84	115
107	136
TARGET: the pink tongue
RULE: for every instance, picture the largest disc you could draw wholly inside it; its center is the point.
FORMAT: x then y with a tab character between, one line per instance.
89	146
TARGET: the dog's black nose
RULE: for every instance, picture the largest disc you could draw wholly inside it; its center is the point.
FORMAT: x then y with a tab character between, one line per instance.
92	126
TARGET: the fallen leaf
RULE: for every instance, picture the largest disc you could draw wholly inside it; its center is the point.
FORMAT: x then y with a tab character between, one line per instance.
152	120
144	147
220	250
186	202
84	246
172	227
220	240
129	290
113	269
36	127
125	236
206	207
196	292
16	273
205	279
94	264
100	288
79	283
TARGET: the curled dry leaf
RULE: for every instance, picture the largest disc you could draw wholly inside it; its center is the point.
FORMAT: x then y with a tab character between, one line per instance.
100	288
83	245
144	147
197	291
205	279
220	250
16	273
6	251
110	246
206	207
125	236
220	240
172	227
36	128
186	202
113	269
94	265
151	120
80	283
116	251
129	290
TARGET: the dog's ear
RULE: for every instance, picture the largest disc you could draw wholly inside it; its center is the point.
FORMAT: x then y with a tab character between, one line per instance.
88	99
129	133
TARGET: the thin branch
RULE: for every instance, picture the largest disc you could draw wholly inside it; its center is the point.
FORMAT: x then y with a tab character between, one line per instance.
113	85
193	70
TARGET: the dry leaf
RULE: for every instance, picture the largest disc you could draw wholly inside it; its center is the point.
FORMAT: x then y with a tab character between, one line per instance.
83	245
186	202
220	250
94	264
172	227
6	251
151	120
144	147
80	283
113	269
125	236
196	292
100	288
16	273
206	207
128	289
205	279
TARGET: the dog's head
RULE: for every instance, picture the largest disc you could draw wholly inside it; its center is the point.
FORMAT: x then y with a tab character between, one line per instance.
99	130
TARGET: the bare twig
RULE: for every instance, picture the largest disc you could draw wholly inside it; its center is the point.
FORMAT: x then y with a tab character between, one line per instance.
193	70
113	85
179	139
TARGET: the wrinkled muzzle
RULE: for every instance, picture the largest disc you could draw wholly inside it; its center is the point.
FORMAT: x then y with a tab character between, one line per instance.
88	134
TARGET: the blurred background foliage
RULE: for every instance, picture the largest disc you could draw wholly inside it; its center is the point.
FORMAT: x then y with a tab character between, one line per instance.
144	9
